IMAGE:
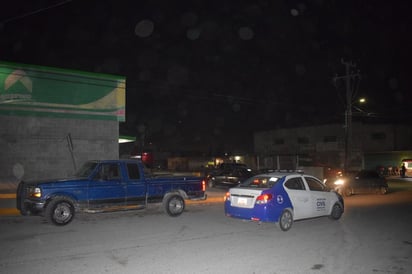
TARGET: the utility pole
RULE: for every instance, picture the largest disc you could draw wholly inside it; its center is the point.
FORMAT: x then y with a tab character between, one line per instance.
348	116
349	78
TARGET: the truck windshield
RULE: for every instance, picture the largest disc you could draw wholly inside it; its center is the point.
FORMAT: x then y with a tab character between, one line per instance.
86	169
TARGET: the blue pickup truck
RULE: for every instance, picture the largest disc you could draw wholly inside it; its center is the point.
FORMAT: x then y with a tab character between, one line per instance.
108	185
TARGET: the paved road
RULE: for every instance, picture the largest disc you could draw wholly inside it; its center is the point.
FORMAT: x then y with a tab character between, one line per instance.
373	236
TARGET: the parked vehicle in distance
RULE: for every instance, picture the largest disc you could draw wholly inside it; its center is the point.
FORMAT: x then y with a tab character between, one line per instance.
282	198
362	182
228	175
108	185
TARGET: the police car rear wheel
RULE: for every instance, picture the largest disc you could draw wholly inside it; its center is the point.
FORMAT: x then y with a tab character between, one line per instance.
336	212
285	220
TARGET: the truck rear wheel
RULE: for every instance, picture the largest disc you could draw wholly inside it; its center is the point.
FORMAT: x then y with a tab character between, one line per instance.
174	204
60	211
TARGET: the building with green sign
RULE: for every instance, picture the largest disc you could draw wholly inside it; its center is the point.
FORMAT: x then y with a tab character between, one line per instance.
52	120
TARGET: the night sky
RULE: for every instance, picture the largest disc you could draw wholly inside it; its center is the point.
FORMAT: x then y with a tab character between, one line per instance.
203	75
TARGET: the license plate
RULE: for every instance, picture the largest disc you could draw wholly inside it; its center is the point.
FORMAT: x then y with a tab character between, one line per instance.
242	201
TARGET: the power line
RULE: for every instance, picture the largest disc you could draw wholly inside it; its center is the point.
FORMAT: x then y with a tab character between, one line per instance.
35	12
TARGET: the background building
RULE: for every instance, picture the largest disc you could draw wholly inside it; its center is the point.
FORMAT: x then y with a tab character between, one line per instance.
324	145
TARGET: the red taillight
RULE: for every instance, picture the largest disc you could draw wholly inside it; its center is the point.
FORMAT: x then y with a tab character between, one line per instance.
227	196
203	185
264	198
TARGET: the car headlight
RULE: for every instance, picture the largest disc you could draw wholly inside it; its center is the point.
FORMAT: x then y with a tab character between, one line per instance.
339	182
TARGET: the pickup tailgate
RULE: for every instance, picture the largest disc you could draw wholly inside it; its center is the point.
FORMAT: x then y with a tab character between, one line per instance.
193	186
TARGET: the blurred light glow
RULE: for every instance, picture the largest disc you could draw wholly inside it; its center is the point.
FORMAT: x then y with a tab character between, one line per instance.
126	139
339	182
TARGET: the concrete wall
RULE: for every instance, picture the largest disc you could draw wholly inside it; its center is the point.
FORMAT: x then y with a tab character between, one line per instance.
38	147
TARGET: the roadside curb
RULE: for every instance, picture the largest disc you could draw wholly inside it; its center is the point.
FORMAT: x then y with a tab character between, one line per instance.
9	212
7	195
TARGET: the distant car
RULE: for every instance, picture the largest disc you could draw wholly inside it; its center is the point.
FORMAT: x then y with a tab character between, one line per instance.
362	182
282	198
231	165
228	175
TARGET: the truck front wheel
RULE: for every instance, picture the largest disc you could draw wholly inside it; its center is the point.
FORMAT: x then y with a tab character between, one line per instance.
174	205
60	211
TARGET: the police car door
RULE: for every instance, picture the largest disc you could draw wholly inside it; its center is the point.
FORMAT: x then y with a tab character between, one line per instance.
319	197
299	197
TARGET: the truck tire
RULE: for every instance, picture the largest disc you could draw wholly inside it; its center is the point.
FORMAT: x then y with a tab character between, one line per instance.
60	211
20	194
174	204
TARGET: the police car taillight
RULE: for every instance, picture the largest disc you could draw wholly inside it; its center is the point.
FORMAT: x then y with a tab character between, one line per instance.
263	199
227	196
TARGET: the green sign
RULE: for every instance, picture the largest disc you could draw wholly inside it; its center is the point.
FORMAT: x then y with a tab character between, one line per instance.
44	91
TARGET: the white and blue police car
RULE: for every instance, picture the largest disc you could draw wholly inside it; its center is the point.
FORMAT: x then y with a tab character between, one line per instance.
282	198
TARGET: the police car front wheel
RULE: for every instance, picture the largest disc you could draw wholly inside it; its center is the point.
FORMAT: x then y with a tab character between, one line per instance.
336	212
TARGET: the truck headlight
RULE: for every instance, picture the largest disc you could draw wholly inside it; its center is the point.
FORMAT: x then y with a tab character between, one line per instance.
35	192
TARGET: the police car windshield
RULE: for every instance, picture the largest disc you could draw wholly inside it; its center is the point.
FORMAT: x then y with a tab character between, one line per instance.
263	181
